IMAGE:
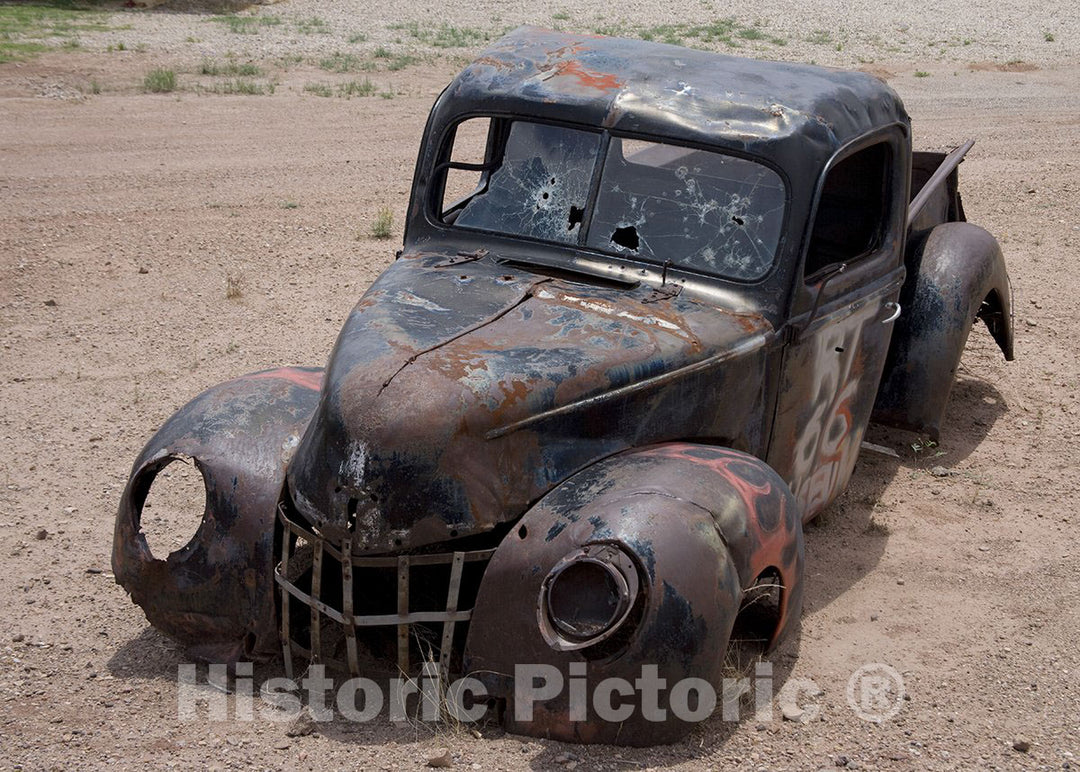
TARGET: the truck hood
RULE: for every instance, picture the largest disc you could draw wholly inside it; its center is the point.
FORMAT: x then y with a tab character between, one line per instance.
460	392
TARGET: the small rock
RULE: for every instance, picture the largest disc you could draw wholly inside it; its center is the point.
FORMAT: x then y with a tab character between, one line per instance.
93	570
50	303
301	726
284	745
841	761
873	617
940	471
900	582
1022	745
562	758
440	758
572	766
143	270
18	638
794	714
41	535
983	548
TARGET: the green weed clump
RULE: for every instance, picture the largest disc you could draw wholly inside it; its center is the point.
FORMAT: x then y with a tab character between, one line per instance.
159	81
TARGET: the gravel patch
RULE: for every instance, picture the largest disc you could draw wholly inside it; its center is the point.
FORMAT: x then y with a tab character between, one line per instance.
831	32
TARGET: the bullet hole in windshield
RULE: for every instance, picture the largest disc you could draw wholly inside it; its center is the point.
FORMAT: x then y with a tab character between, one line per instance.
625	237
577	214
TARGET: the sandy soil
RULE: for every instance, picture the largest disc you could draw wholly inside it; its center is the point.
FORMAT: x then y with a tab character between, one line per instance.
126	217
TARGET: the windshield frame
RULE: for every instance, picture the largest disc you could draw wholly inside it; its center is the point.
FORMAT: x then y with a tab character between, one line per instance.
500	128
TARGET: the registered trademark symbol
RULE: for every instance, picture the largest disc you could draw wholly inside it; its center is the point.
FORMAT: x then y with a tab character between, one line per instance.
875	692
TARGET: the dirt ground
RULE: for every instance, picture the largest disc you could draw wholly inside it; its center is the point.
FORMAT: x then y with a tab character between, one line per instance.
152	245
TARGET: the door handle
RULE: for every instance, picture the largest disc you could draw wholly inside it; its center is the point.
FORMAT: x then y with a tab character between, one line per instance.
894	315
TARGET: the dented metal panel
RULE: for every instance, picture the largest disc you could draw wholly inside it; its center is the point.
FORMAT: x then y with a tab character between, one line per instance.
959	276
520	380
216	593
699	524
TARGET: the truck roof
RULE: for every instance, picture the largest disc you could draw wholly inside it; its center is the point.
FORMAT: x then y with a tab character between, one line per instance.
796	115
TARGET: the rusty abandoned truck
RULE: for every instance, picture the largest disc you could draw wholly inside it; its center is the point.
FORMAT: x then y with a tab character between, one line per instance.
648	301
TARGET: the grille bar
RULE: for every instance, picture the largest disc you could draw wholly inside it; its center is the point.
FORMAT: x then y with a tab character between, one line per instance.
346	616
451	606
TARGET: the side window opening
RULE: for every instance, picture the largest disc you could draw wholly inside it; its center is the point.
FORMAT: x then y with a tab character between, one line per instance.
461	184
853	209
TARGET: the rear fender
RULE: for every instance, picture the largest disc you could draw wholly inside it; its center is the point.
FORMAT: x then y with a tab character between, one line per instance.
698	524
215	594
956	274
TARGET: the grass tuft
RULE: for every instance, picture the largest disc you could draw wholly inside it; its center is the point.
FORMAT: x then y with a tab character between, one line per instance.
243	69
159	81
243	87
246	25
444	35
339	62
726	31
313	26
382	227
357	88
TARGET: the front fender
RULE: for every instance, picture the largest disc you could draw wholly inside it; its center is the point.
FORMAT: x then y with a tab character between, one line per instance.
699	524
956	274
215	594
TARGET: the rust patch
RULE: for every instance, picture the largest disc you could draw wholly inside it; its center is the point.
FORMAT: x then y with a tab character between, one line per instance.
600	81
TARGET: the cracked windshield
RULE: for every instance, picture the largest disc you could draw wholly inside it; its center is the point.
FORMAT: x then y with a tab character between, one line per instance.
702	210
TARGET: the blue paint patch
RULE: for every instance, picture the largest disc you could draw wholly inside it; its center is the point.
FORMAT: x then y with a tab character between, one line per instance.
555	530
644	552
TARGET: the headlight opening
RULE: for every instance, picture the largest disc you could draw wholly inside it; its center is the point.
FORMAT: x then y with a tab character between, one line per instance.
587	597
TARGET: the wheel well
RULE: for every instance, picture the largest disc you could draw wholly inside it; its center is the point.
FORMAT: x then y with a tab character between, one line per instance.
760	613
992	312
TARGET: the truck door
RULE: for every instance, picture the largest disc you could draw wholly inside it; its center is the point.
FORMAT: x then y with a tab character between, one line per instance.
843	308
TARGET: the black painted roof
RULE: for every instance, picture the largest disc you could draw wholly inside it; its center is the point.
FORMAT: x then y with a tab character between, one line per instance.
795	114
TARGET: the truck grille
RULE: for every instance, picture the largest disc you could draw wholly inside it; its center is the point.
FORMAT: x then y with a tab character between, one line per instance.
412	606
